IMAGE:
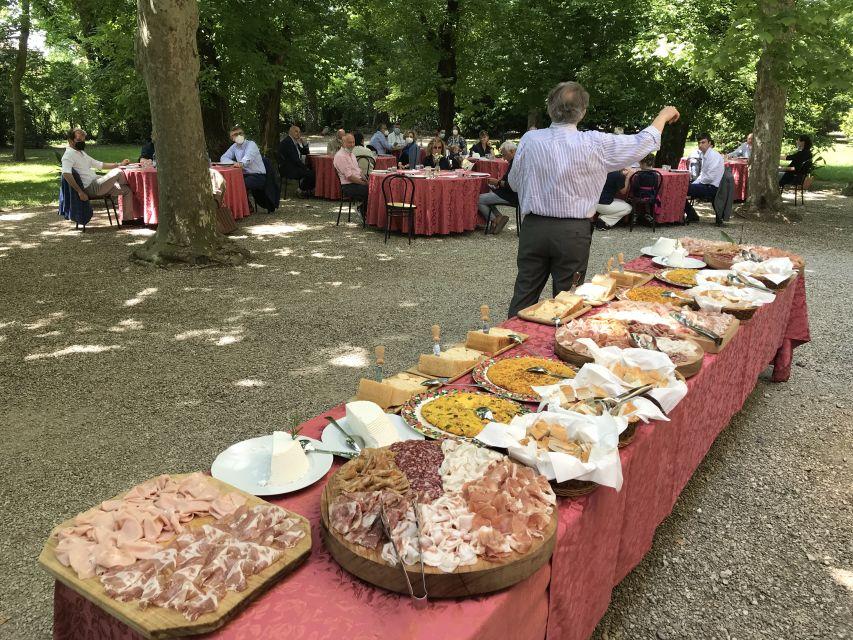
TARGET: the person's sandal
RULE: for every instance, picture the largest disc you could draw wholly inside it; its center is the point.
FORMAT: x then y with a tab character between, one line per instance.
499	223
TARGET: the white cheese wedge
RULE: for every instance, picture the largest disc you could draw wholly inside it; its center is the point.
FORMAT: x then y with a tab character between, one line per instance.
368	421
289	462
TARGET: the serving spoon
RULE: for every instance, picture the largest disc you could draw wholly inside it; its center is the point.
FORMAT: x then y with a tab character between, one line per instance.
544	371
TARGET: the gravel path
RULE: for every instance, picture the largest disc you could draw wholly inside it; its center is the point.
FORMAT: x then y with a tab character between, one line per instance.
113	372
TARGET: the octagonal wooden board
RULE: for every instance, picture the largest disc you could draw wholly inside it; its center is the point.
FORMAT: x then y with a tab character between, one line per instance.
160	623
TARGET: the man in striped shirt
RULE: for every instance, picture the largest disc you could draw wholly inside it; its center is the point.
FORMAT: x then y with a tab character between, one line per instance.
558	174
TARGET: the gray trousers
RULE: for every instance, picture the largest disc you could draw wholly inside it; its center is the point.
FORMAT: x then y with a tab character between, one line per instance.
115	183
487	201
555	247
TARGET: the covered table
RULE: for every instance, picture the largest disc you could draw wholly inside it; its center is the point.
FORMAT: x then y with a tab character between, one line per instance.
672	196
445	204
601	537
328	186
496	168
740	173
143	185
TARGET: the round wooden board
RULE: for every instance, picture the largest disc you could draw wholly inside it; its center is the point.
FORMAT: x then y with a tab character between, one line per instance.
476	579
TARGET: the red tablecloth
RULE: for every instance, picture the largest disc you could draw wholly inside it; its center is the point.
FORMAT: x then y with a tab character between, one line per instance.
143	184
672	196
444	204
422	154
740	173
600	539
328	186
495	168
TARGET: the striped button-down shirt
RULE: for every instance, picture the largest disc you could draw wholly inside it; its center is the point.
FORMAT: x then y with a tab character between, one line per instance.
559	171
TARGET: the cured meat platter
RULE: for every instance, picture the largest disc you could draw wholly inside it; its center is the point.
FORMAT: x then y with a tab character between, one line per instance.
478	575
160	622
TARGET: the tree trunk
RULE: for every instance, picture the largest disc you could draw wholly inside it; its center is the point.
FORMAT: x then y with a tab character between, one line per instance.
17	77
215	110
270	108
312	109
764	200
446	48
672	142
167	55
534	117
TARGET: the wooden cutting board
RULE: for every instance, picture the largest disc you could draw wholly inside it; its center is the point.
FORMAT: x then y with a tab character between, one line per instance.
481	577
158	622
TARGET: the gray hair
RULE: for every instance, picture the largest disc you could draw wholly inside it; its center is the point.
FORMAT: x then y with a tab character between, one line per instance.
508	145
567	103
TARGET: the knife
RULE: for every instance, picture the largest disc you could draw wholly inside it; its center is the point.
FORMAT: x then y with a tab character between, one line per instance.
380	360
436	339
484	316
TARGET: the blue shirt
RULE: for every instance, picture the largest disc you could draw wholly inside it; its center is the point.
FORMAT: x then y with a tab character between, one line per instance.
248	154
380	143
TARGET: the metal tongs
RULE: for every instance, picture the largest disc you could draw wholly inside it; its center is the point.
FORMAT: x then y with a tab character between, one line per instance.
418	601
544	371
749	254
613	403
737	278
643	341
702	331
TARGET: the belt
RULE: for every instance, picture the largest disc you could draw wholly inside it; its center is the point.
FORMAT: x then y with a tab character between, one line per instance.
539	215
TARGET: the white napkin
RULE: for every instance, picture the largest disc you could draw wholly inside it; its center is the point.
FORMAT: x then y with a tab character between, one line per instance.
589	291
747	295
467	164
476	156
774	269
676	258
602	432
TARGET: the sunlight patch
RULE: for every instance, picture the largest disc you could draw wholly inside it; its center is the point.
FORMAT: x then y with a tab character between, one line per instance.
407	305
355	357
74	348
276	229
140	232
140	297
49	334
226	340
43	322
249	382
11	217
126	325
843	577
320	254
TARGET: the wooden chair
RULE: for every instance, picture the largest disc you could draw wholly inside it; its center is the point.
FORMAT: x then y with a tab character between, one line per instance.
644	187
402	207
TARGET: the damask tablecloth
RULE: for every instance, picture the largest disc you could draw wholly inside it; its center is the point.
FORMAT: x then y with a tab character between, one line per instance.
495	168
600	538
328	186
445	204
740	173
143	186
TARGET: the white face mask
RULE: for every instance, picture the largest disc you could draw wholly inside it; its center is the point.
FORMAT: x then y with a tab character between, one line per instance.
240	139
410	140
456	132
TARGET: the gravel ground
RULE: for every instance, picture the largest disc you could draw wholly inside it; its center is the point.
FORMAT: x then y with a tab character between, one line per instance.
113	372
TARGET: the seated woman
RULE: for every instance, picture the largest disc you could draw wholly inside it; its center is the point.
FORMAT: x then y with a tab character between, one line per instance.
483	148
410	156
458	141
361	153
454	154
801	162
436	155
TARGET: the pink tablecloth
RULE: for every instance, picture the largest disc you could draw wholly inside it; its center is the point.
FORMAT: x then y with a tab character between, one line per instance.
328	186
740	173
672	196
495	168
600	539
444	204
143	184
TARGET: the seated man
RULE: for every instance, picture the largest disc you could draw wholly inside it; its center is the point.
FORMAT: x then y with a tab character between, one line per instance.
744	150
361	153
396	138
246	155
113	183
353	182
611	209
706	184
334	144
147	153
379	141
501	193
292	158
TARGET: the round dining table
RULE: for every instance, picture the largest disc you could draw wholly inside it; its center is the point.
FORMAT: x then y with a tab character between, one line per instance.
446	203
495	167
740	173
143	186
327	185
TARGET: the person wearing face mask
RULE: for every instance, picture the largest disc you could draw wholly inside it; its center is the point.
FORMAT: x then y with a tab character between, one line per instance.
113	183
396	138
379	141
246	155
436	155
410	156
483	148
353	181
458	141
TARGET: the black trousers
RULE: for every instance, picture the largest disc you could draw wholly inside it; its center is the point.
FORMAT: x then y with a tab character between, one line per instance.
356	192
306	177
555	247
701	191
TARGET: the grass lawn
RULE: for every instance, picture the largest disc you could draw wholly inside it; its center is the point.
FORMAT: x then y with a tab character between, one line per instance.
36	181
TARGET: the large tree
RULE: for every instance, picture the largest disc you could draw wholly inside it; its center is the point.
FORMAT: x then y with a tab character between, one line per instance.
168	58
17	78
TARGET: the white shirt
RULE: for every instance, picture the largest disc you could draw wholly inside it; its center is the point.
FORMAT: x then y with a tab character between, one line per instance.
713	166
247	154
559	171
397	139
743	151
82	163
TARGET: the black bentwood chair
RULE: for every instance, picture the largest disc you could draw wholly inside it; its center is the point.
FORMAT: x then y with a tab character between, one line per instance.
402	207
644	188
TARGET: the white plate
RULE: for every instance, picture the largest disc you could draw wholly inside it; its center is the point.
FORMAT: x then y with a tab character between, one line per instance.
478	174
246	465
333	438
689	263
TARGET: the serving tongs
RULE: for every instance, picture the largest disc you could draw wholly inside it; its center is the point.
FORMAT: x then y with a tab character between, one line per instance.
544	371
614	403
418	601
702	331
643	341
749	254
737	278
310	448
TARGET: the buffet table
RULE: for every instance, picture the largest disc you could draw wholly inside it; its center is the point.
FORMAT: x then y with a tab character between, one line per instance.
143	186
601	537
740	173
496	168
445	204
328	186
